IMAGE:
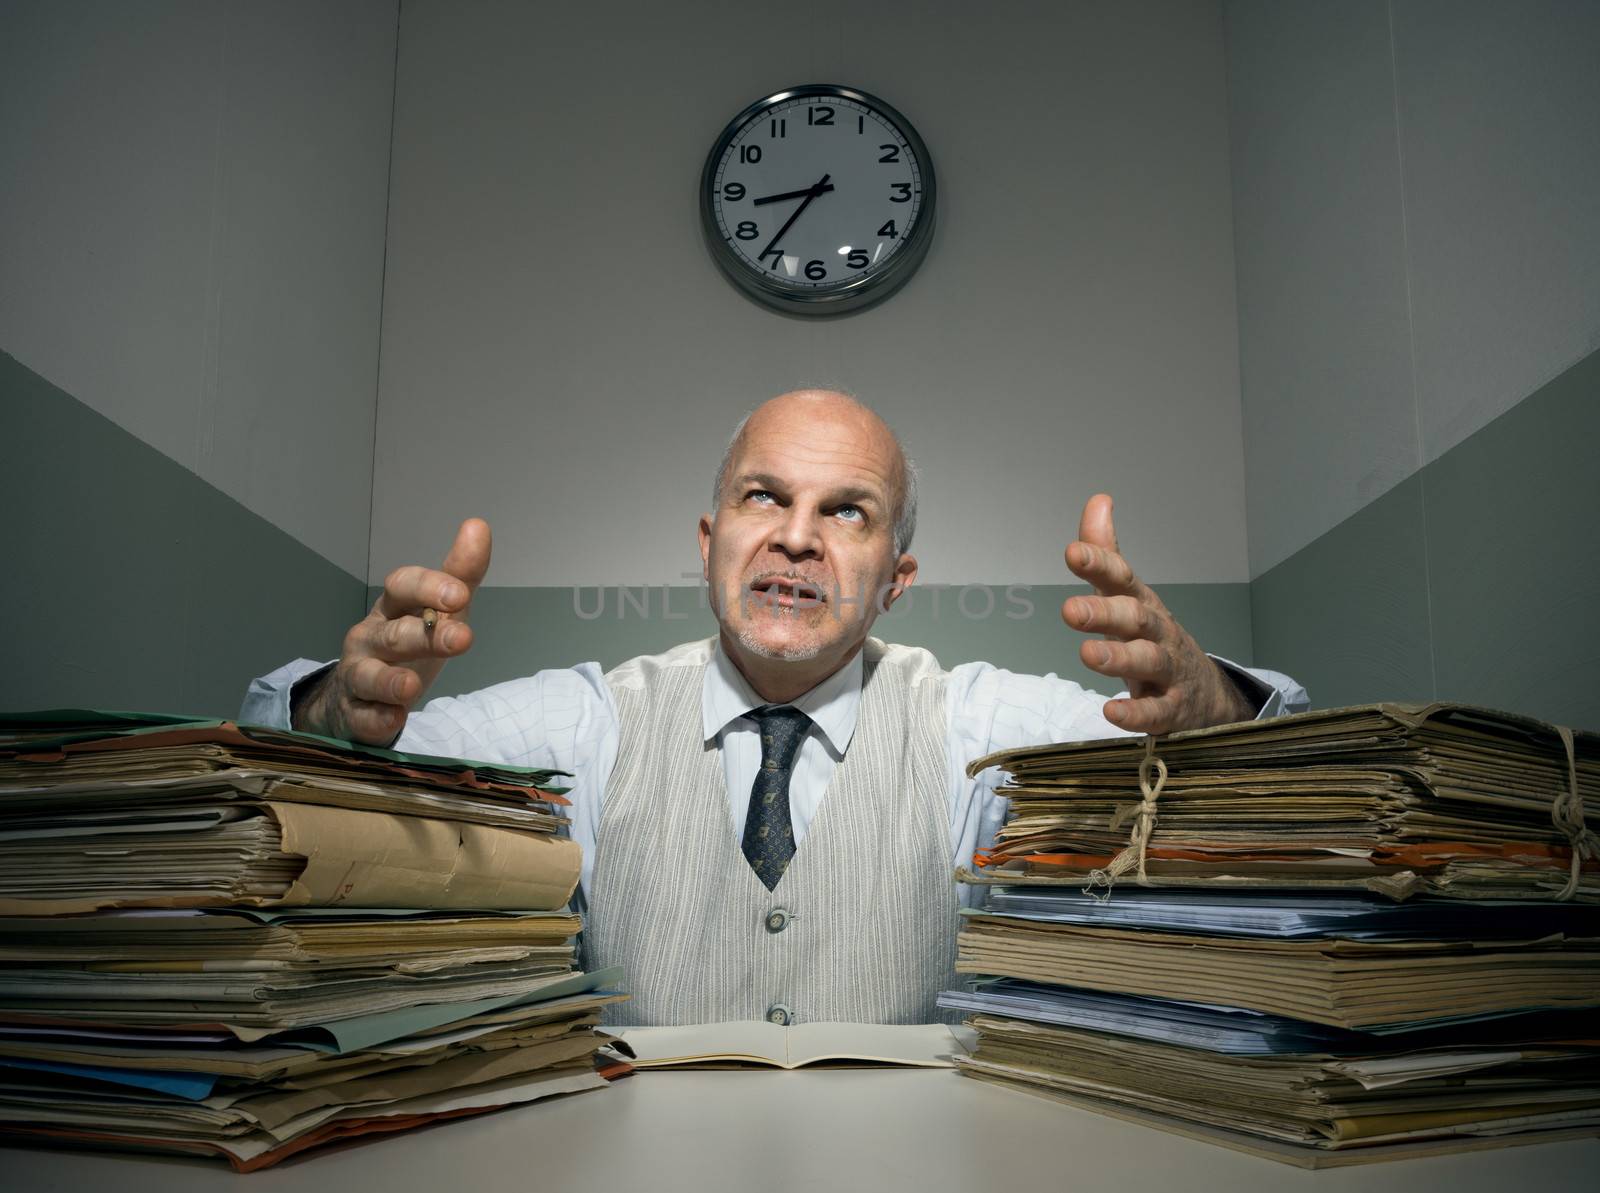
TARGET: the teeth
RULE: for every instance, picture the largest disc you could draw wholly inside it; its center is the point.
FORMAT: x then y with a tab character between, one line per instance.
785	588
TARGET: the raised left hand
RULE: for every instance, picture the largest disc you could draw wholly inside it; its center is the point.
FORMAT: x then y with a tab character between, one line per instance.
1171	682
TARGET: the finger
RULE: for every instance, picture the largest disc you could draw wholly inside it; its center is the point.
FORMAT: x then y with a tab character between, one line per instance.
375	724
1094	526
1107	571
1122	617
468	559
377	682
411	589
1149	714
1141	664
408	639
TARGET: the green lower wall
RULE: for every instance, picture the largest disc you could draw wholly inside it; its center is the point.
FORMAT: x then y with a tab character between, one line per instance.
520	630
131	583
1477	579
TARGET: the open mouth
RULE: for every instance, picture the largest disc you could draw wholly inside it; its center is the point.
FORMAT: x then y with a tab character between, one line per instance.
787	592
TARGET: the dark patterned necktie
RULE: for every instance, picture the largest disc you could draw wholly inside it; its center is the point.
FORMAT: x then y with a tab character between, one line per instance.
768	832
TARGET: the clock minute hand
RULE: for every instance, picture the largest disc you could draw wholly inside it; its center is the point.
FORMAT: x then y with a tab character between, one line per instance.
810	190
810	194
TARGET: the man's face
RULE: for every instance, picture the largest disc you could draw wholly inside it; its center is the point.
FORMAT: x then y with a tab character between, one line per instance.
799	554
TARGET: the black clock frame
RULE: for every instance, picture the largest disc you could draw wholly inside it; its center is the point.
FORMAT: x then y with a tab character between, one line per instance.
857	293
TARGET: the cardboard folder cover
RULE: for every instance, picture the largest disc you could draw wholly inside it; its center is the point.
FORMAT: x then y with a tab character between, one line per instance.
363	859
319	855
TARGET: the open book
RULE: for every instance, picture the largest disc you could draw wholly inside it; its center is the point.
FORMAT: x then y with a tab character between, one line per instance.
757	1042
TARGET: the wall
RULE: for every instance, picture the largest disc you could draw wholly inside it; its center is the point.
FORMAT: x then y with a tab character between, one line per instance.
191	269
134	583
561	356
190	286
1418	247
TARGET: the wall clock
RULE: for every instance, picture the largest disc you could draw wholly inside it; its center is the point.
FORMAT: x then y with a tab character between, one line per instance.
818	200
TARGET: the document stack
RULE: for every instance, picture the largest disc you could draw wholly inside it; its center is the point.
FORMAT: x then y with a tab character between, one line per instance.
245	942
1329	938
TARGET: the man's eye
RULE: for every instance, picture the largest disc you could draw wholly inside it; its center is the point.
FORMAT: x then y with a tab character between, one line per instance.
760	496
851	513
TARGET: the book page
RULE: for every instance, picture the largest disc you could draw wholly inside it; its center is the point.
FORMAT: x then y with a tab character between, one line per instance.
755	1041
923	1044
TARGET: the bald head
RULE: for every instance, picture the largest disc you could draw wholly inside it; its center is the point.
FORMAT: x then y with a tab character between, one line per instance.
792	413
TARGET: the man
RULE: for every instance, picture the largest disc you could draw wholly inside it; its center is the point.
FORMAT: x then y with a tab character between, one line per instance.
715	871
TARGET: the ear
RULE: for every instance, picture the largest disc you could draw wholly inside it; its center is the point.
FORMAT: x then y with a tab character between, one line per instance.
705	546
905	575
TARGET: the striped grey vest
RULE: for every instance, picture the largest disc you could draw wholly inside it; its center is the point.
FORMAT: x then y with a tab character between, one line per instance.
869	935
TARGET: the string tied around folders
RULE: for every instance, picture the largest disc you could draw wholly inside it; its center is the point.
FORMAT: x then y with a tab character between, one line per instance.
1152	777
1566	813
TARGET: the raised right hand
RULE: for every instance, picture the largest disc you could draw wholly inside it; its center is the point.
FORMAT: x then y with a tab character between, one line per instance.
1172	683
390	657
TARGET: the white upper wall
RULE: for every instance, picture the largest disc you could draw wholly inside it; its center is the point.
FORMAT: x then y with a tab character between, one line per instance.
1417	231
561	356
191	236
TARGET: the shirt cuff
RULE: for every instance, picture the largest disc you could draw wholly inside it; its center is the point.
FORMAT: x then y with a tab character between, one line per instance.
1270	693
268	699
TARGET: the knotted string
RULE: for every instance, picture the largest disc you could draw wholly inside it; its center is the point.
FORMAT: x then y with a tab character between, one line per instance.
1567	815
1144	817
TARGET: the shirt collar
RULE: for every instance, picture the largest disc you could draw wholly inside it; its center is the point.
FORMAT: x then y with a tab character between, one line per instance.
832	705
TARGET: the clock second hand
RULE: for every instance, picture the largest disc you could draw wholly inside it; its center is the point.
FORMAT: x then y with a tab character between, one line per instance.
810	194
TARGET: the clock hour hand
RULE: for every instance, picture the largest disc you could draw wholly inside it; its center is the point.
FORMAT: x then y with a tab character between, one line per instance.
810	193
791	194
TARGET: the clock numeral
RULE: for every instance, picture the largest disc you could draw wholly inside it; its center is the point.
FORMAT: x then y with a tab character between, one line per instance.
888	230
902	192
816	271
746	230
861	125
858	259
891	153
733	191
749	154
780	128
819	115
771	251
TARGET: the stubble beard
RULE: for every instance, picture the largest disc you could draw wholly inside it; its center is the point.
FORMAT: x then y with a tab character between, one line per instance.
748	634
793	652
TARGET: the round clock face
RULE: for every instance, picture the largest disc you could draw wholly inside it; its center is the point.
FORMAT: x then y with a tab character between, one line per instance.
818	200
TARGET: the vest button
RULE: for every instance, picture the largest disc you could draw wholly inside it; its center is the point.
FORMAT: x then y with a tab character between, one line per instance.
780	1014
777	920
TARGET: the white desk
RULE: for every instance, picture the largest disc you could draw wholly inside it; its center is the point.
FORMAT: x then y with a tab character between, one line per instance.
776	1132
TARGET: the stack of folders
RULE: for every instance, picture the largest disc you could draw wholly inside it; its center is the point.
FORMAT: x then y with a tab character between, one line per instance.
244	942
1329	938
1399	799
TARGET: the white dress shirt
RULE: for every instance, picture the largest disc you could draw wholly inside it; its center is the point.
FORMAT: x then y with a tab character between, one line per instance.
566	720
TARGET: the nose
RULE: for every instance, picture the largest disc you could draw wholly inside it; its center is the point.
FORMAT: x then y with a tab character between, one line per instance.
798	533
